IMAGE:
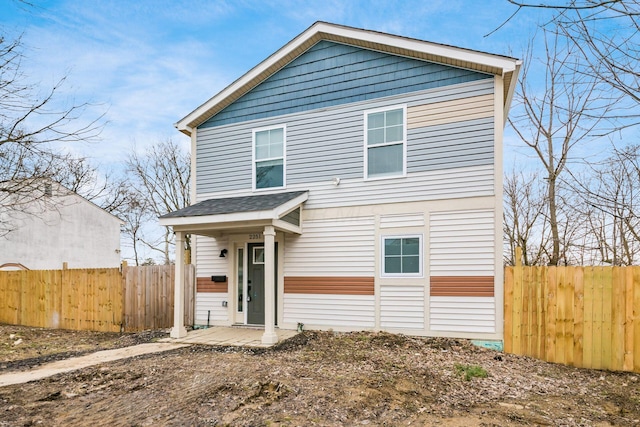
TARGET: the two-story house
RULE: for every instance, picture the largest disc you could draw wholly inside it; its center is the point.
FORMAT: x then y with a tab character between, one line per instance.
351	181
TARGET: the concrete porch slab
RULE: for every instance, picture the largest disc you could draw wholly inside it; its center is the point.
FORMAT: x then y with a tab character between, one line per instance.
229	336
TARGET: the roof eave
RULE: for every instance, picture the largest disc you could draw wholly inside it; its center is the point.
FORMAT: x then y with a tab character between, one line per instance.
510	90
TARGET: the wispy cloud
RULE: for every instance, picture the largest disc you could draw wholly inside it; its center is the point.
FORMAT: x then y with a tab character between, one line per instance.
146	64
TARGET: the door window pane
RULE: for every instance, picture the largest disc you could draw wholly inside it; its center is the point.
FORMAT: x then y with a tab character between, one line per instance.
258	255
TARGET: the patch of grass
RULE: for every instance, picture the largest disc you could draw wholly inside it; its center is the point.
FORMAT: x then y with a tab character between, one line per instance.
470	371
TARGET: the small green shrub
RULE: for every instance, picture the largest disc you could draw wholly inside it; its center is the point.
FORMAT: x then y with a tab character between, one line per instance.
471	371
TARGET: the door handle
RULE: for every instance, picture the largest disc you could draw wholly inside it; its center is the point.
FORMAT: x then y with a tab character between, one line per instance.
248	298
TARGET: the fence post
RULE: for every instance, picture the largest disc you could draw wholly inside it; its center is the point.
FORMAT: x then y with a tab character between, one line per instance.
518	257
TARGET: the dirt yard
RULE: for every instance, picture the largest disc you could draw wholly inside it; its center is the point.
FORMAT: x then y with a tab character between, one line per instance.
316	378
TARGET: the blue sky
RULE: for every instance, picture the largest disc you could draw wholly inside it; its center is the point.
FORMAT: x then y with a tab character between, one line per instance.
148	63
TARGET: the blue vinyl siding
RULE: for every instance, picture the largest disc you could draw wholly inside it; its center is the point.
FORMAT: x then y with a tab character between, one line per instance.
323	144
331	74
467	143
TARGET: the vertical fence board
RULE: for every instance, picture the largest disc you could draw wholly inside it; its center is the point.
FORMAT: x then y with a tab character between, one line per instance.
541	307
551	293
508	309
636	318
618	318
607	318
578	316
561	315
568	314
589	296
517	314
598	312
11	283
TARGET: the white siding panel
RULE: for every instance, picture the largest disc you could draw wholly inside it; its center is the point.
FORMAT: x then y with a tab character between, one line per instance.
211	302
208	261
454	183
463	314
402	307
462	243
332	247
402	220
353	312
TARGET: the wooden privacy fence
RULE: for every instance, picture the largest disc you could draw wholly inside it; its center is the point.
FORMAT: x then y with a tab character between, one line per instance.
100	299
581	316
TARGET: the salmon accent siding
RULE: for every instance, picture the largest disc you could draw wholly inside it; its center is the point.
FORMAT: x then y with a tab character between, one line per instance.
462	286
204	284
329	285
445	112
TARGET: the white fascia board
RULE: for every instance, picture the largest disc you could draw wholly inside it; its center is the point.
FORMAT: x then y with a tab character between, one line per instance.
287	207
222	228
219	219
286	226
504	63
511	90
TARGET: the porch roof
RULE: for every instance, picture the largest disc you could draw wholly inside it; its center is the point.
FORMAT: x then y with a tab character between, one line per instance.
244	212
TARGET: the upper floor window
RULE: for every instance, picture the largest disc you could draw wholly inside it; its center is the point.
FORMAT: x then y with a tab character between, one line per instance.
268	157
385	141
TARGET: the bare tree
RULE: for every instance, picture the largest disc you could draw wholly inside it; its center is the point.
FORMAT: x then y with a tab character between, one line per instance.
135	213
569	108
612	200
161	178
524	218
29	125
606	33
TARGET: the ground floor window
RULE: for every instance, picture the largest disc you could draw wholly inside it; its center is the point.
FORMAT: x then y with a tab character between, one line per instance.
402	256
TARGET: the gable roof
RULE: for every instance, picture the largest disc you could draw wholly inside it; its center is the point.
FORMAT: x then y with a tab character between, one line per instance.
503	66
57	190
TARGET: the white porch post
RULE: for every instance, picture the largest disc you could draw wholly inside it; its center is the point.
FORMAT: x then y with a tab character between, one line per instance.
178	330
269	336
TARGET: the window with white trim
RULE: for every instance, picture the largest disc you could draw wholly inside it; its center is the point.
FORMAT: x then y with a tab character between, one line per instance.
385	142
402	256
268	157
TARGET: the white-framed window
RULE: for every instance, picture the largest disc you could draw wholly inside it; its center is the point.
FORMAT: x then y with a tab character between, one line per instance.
269	147
402	256
385	137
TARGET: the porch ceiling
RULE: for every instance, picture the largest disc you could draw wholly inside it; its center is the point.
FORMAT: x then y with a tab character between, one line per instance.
243	213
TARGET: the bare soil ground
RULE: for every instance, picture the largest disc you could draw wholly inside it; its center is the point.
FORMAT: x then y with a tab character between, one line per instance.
316	378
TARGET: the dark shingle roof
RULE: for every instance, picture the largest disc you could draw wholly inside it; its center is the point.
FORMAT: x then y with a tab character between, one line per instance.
261	202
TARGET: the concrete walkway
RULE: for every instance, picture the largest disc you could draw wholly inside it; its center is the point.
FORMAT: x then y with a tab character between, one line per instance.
226	336
229	336
92	359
